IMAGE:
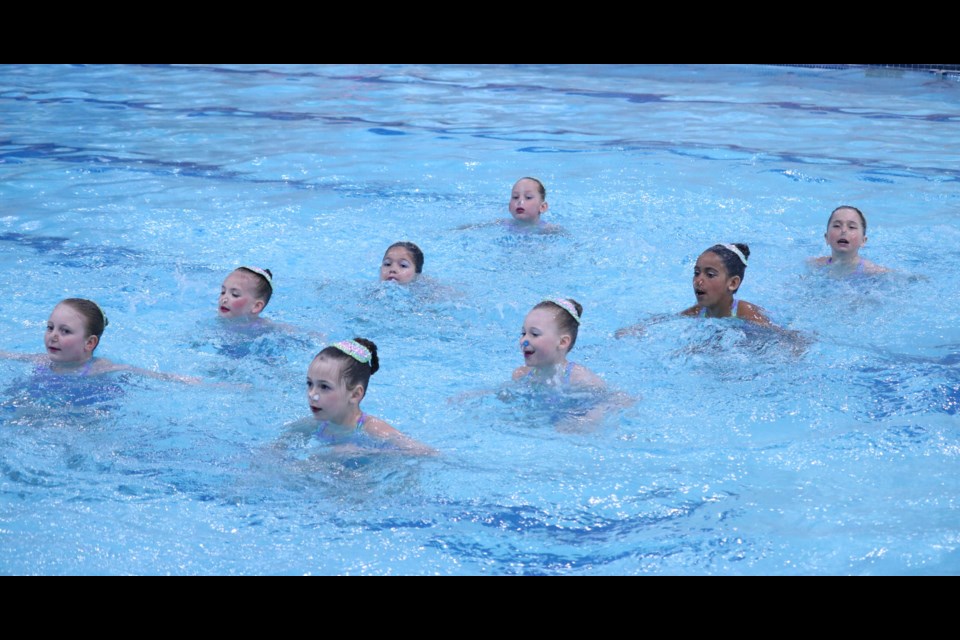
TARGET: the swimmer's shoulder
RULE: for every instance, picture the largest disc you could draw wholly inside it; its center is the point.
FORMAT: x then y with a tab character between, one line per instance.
692	312
819	261
872	268
752	313
377	428
580	376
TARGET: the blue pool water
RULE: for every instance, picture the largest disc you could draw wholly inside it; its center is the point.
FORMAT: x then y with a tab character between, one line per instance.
143	186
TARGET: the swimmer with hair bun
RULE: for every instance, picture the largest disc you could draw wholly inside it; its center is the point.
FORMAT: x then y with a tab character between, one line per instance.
337	382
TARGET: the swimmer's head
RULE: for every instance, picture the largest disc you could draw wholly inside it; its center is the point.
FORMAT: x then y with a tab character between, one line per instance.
355	360
528	200
402	263
719	273
245	293
846	230
550	331
74	330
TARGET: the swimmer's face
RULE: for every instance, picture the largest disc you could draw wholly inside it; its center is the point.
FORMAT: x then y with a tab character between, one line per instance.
541	340
327	393
845	233
712	284
238	297
398	266
66	339
526	203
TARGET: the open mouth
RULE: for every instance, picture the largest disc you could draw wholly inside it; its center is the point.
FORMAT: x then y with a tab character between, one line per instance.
224	310
699	293
315	410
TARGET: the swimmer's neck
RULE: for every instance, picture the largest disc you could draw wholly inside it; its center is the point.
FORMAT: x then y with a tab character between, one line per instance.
350	422
526	223
845	259
722	310
550	371
69	367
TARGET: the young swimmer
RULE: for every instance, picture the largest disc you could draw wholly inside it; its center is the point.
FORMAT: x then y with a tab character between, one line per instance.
402	263
548	335
846	235
717	277
245	293
528	202
337	382
73	334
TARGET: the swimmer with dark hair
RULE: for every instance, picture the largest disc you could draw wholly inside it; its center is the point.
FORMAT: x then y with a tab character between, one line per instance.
337	382
402	263
717	277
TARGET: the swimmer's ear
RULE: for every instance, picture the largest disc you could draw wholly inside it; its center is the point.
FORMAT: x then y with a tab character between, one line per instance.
734	283
257	307
565	341
91	343
544	206
357	393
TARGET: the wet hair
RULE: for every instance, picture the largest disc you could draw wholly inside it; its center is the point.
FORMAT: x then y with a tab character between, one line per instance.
414	251
731	261
264	290
352	371
95	317
568	324
863	218
540	187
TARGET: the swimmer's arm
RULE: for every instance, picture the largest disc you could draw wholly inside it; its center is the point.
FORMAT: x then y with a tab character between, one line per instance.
641	327
105	366
478	225
20	357
379	429
520	372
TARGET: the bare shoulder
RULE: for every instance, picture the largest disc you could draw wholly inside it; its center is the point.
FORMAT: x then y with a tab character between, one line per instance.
692	311
583	377
753	313
379	428
102	366
519	372
820	261
872	268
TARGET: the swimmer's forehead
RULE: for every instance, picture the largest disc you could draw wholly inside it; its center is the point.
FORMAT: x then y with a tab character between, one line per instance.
526	186
541	319
66	315
845	215
710	260
399	253
239	280
325	369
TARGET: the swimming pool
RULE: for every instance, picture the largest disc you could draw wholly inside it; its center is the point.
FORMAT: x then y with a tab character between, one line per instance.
141	187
